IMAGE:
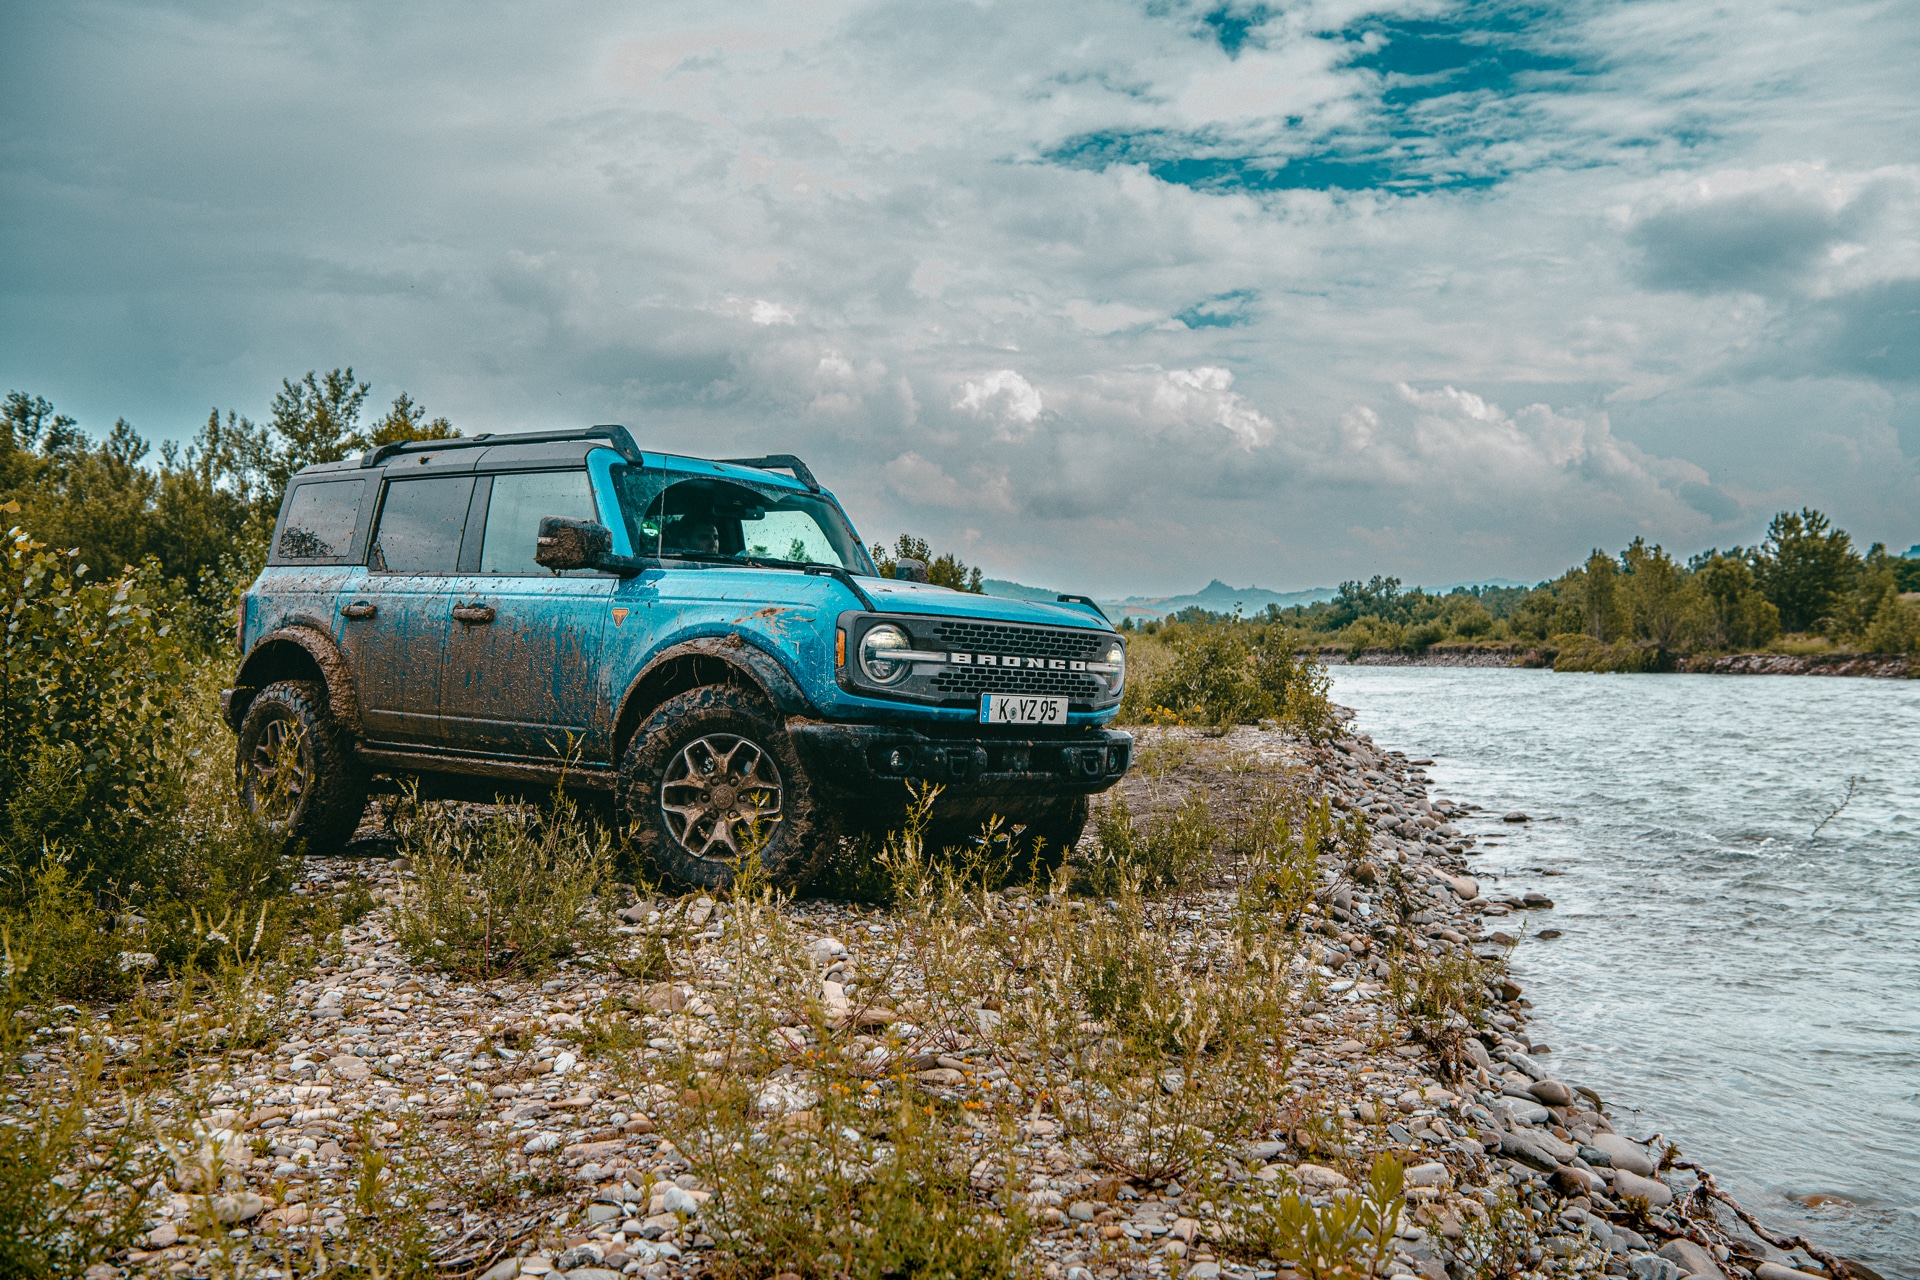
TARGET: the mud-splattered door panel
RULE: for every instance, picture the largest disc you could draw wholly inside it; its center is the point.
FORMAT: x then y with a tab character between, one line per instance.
524	673
397	616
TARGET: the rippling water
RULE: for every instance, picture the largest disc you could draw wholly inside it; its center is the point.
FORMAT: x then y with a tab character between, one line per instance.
1751	988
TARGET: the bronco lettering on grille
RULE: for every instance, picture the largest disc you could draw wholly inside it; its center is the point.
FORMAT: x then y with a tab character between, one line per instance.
1013	660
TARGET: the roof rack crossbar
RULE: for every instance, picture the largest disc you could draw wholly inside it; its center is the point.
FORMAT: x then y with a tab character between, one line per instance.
778	462
615	434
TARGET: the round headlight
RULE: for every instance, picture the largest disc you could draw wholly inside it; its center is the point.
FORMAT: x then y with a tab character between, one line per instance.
1116	658
876	646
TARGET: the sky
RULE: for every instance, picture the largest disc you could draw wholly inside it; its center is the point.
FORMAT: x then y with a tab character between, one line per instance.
1111	297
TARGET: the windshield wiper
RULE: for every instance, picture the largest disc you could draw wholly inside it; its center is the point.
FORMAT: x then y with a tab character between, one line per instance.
833	571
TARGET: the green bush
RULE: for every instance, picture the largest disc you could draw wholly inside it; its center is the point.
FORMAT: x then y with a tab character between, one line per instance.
1584	653
91	692
1348	1236
510	892
1170	854
1227	673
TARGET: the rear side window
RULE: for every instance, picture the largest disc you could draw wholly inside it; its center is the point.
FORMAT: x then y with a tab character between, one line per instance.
323	519
420	525
519	500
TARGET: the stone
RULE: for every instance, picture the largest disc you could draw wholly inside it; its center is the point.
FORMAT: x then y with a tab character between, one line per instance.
164	1236
505	1269
1570	1181
1652	1190
1431	1174
348	1067
599	1213
1691	1259
1551	1092
1625	1153
941	1075
1647	1266
1527	1148
1777	1271
242	1206
679	1200
1517	816
1320	1178
1204	1271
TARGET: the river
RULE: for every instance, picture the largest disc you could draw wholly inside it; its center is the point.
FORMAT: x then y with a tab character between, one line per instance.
1723	974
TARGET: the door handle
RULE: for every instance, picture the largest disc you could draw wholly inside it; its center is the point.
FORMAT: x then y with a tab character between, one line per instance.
358	609
476	614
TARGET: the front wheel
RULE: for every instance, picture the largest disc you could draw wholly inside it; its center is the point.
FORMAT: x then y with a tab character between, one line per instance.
712	780
295	767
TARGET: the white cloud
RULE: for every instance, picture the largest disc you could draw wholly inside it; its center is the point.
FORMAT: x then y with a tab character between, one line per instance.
1004	398
1682	297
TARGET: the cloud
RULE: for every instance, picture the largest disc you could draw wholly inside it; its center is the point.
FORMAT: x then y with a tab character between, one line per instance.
1004	398
1144	281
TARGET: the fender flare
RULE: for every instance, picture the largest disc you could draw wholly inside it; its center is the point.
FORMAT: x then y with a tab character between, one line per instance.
667	674
272	654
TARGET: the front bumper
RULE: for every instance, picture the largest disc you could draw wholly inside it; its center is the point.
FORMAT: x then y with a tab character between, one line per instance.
867	759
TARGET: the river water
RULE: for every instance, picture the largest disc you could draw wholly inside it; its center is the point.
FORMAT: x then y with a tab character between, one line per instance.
1724	974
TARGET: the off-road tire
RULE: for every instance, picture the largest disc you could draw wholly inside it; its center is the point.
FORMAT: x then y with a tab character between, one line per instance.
332	787
806	826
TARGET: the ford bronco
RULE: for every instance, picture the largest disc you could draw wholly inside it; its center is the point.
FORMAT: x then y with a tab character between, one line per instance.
704	646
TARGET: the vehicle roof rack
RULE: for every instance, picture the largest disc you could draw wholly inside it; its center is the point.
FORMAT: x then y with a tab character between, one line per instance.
612	432
778	462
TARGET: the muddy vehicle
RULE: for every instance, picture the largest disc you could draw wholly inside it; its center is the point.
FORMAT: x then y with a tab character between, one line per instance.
702	647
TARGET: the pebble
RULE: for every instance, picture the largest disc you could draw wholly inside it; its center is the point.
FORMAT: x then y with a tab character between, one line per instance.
1777	1271
1691	1259
1625	1153
1652	1190
163	1236
1551	1092
1517	816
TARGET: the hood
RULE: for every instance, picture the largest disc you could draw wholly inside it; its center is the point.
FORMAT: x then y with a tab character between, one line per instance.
895	596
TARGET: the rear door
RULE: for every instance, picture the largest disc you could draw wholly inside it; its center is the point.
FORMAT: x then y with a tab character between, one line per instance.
525	676
397	618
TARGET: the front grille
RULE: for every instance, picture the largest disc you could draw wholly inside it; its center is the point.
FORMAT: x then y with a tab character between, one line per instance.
971	682
1026	642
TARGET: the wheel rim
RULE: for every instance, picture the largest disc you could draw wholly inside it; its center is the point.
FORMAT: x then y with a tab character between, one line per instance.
279	771
716	791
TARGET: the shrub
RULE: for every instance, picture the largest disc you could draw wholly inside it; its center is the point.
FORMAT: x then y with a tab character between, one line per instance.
91	691
1170	854
1350	1235
1895	627
1576	652
509	892
1225	674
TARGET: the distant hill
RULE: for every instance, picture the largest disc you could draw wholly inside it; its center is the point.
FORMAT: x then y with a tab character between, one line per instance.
1215	597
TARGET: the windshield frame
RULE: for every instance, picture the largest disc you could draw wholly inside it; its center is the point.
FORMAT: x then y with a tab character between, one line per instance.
638	490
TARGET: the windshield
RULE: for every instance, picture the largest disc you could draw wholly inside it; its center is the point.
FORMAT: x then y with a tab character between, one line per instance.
709	519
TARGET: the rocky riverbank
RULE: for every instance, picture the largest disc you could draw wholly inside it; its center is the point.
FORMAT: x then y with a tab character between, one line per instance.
1876	665
1083	1086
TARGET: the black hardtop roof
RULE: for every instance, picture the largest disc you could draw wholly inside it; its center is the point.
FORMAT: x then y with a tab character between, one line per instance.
535	447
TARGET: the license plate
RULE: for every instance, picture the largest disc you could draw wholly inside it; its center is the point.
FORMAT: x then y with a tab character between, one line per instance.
1018	708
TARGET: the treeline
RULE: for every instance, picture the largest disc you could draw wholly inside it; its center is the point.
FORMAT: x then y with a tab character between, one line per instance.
197	517
1806	588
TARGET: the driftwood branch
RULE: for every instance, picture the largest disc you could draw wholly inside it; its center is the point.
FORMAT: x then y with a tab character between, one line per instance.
1853	783
1835	1266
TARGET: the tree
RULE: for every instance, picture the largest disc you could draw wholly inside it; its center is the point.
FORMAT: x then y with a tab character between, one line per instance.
408	421
1805	567
1662	602
945	570
317	420
1597	595
1737	615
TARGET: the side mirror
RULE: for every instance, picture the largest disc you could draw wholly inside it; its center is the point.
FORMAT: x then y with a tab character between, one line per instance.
571	544
908	569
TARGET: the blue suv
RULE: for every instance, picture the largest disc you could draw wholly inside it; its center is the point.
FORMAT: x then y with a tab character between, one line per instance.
705	644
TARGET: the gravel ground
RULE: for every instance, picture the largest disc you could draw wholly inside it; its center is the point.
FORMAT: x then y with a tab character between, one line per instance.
535	1113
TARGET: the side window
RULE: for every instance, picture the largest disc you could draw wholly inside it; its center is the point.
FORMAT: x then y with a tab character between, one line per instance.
420	524
322	519
519	500
789	535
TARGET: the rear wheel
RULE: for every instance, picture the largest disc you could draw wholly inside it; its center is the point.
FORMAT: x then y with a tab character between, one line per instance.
295	767
712	780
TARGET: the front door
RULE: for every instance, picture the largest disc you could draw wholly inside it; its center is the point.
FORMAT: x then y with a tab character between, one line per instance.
524	674
397	617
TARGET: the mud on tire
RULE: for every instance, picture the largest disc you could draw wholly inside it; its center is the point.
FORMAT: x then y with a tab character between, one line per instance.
704	767
295	767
